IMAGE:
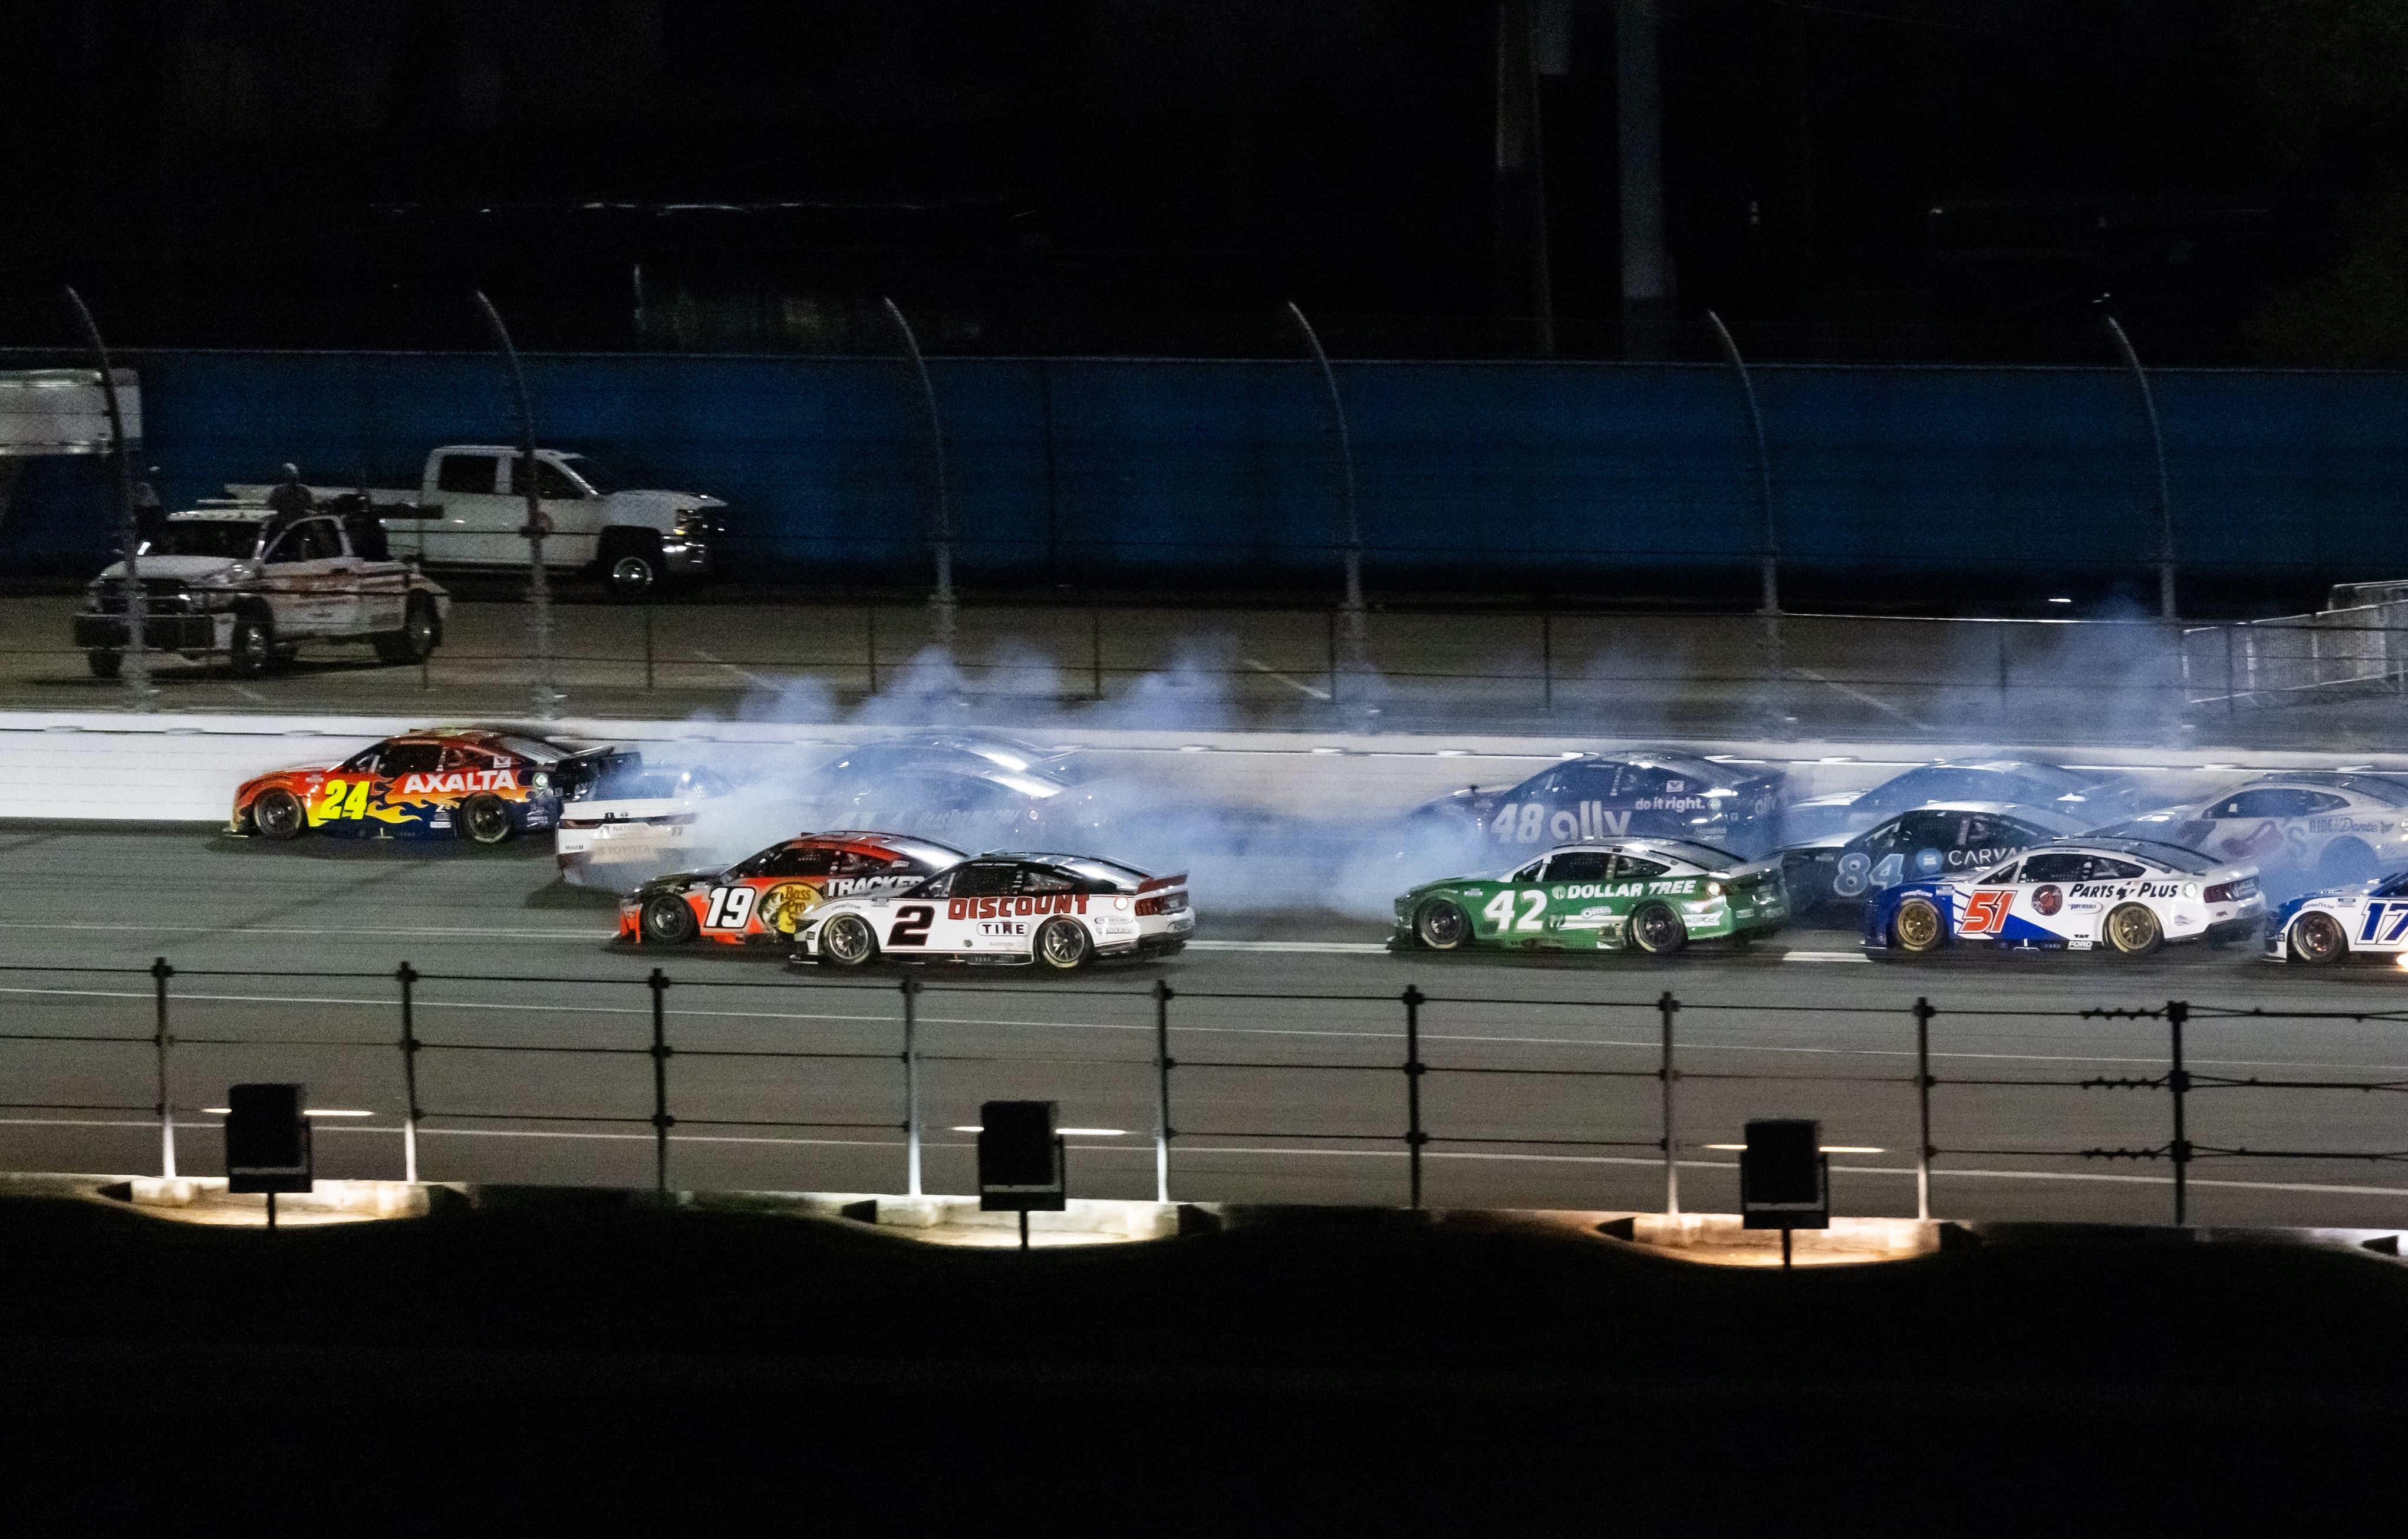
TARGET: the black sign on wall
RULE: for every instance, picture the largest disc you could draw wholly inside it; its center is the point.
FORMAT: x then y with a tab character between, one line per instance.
1784	1179
1019	1158
267	1139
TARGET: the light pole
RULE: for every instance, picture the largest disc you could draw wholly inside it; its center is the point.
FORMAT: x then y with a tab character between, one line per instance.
1769	551
943	541
137	659
2156	443
547	698
1352	608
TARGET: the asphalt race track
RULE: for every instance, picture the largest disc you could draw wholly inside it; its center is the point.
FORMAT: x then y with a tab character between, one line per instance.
293	951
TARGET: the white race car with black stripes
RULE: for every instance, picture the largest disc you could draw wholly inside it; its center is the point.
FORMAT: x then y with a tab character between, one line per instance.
1058	912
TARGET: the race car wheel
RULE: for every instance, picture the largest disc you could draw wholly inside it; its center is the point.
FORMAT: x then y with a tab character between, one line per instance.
1062	944
483	820
847	941
668	920
1916	928
277	815
1441	925
104	665
254	647
414	642
1658	931
2318	937
2133	930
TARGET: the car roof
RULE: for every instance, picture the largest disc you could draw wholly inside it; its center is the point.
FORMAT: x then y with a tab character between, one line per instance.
1678	849
2138	849
871	840
248	513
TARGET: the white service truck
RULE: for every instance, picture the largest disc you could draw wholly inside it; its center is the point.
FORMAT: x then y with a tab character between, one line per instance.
469	512
237	581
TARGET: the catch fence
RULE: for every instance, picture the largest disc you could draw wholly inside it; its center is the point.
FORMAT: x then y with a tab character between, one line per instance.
828	1084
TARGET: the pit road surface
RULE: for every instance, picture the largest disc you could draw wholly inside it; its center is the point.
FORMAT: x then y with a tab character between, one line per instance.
295	949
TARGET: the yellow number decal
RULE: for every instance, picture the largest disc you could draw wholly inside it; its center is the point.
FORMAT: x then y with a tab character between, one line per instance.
330	806
358	805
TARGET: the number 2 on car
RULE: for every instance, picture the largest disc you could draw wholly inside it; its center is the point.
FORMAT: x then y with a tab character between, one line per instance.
344	801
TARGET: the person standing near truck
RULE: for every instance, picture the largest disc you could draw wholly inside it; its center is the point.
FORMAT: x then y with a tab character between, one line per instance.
288	498
150	515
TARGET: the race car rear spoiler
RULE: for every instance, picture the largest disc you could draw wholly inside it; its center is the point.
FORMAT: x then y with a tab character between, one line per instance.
1157	883
580	773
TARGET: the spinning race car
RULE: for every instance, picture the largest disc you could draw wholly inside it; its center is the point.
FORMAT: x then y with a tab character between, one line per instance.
1058	912
1654	895
2367	919
482	783
1946	838
2128	895
765	897
1657	793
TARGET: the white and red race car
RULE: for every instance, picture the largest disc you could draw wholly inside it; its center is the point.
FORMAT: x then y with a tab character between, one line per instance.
1058	912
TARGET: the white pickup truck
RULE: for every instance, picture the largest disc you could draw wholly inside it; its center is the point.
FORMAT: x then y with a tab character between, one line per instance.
236	582
469	513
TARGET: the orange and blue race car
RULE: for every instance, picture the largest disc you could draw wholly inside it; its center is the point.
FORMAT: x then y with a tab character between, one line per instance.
765	895
486	785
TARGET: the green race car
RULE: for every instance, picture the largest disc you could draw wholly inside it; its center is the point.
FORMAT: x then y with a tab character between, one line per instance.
1649	895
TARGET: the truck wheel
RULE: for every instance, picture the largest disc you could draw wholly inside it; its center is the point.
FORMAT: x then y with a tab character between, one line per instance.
483	820
414	642
254	647
104	665
632	567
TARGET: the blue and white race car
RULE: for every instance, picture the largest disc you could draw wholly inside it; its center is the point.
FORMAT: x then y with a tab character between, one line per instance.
2367	918
1944	839
2128	895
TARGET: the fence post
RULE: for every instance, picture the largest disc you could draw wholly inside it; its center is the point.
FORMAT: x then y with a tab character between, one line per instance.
911	1084
1547	663
1670	1007
1414	1137
2178	1081
1923	1013
405	975
2231	695
1162	1064
1333	657
662	1121
160	1041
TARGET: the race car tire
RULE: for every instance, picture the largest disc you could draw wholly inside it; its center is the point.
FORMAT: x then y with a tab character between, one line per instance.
631	563
415	642
277	815
847	941
668	919
1658	931
484	820
2133	929
252	649
104	665
1061	944
2318	939
2345	863
1917	929
1442	925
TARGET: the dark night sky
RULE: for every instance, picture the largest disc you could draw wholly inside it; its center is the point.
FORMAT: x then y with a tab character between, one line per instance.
1136	174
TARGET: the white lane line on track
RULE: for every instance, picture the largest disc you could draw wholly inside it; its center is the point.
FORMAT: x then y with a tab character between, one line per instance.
403	932
1825	956
1333	948
1145	1150
1299	689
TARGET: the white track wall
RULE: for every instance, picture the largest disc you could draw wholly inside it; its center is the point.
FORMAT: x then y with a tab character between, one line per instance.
184	768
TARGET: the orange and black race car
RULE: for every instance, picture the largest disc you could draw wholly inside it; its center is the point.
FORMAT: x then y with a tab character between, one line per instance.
486	785
763	896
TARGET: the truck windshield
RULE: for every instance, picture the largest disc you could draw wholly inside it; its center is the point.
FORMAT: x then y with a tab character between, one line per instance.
231	538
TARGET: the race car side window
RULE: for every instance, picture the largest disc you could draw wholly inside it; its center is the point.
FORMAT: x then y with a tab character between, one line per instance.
1045	879
2396	887
412	758
361	763
1528	873
1630	868
2103	870
1579	866
799	860
1881	840
2058	866
2323	801
2003	877
982	878
851	863
1918	830
938	885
